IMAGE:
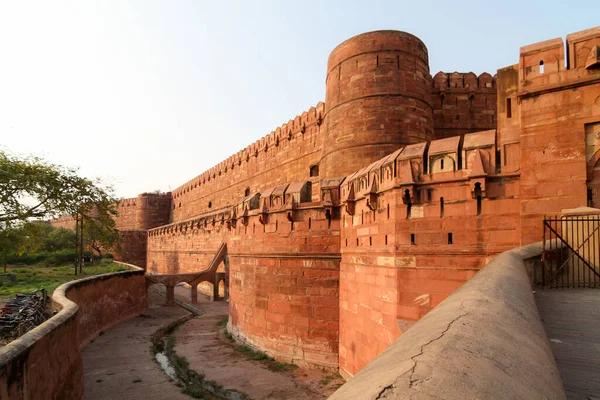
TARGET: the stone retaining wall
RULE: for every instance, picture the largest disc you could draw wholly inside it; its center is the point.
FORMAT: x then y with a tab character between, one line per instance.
484	341
46	362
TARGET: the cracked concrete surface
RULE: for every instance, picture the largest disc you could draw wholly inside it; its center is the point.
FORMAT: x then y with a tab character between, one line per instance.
484	341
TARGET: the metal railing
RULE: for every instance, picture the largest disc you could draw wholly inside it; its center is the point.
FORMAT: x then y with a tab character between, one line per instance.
571	253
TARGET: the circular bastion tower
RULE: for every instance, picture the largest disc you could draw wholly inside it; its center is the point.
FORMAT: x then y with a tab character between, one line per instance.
377	99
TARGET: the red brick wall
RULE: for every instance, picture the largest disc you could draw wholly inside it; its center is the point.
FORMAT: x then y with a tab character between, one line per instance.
186	247
463	103
284	286
283	156
283	282
377	98
46	363
146	211
132	248
65	222
106	301
554	107
387	283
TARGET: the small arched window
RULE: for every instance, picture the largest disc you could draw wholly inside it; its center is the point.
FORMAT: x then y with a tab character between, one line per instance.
247	192
210	204
314	170
442	163
541	67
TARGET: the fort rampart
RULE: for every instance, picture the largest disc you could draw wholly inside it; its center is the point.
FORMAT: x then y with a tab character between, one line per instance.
348	224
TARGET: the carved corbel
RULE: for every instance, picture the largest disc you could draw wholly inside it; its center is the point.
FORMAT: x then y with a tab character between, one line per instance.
290	210
327	202
350	200
408	195
372	196
245	217
264	213
231	222
478	188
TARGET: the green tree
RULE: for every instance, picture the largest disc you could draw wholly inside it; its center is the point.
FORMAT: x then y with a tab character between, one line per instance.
33	188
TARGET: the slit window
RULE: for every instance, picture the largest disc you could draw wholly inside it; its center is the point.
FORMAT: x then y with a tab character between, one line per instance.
509	108
441	207
247	192
442	163
209	204
449	238
412	239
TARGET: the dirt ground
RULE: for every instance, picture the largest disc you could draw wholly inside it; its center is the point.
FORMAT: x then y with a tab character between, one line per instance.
202	343
120	365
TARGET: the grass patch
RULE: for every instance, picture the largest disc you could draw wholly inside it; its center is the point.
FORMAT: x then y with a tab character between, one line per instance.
193	383
229	336
222	323
33	278
270	363
326	380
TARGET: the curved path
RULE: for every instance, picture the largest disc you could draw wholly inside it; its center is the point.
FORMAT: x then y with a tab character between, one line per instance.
201	342
119	363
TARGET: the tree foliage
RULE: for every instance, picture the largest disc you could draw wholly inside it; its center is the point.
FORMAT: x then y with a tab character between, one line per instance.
31	188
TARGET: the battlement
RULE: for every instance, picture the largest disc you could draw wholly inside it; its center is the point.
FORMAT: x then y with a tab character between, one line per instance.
448	81
546	65
286	132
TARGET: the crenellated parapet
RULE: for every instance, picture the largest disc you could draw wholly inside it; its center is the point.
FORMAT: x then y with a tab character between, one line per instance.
463	103
415	169
544	68
267	161
300	125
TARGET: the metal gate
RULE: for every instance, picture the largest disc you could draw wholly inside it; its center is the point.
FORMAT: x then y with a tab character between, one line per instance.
571	253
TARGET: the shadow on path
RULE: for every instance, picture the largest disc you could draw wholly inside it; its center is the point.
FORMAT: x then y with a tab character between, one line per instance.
571	319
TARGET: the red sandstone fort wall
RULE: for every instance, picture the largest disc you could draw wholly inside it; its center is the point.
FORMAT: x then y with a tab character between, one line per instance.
557	100
412	220
65	222
463	103
283	156
284	286
397	266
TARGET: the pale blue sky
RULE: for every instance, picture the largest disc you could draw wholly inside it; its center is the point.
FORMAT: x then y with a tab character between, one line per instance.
149	94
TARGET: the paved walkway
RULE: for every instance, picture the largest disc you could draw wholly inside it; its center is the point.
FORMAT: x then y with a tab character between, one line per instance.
119	364
572	321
